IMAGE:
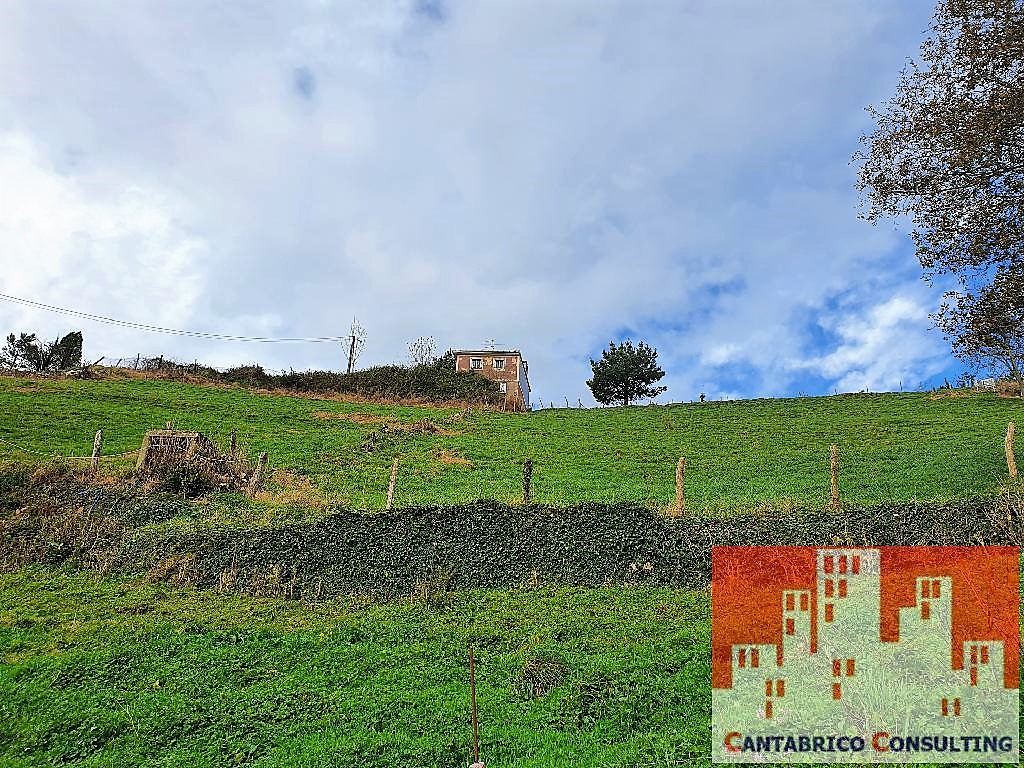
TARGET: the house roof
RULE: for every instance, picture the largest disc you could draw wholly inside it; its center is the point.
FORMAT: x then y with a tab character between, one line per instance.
488	352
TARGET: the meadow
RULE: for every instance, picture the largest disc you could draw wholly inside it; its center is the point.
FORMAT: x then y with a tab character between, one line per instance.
134	669
122	672
745	454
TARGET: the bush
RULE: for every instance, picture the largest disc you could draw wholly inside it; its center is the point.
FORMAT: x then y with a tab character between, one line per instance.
435	382
190	479
247	376
13	476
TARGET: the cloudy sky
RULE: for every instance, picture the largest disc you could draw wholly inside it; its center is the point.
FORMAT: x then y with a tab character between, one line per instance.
549	175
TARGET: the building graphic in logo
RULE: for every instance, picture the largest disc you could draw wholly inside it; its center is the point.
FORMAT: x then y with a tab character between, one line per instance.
891	654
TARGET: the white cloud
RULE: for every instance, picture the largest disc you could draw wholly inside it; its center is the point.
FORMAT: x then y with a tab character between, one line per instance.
881	348
544	174
120	254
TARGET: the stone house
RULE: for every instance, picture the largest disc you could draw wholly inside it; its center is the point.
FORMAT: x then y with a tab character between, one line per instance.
507	367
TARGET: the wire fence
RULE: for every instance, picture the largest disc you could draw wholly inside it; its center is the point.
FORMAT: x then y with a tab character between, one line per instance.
59	455
831	477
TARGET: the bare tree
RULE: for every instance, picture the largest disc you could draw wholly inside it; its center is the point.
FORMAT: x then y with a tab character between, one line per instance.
422	351
356	341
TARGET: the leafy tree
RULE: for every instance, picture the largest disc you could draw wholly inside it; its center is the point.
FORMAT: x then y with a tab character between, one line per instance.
948	148
986	327
625	373
67	352
446	362
26	352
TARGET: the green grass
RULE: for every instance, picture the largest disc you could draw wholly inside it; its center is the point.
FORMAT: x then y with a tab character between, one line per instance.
894	447
126	673
120	672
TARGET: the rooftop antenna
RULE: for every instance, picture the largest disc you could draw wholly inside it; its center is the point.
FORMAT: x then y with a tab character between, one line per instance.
490	344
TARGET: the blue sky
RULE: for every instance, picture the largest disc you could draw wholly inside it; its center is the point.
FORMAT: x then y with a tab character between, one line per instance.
550	175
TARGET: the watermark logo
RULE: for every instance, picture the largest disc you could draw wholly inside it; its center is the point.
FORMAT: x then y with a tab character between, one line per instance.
890	654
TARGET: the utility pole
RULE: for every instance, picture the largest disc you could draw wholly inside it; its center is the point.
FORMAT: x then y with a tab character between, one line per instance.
351	352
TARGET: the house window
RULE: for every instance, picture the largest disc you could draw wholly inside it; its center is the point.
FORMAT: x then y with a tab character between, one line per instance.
503	386
499	363
476	363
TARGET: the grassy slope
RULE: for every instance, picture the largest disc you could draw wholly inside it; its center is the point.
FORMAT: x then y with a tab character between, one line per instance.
127	673
894	447
111	673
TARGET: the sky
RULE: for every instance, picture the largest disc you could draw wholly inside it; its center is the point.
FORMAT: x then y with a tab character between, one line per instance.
547	175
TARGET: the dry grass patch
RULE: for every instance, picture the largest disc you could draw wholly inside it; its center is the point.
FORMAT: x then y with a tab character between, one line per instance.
452	458
944	393
367	419
422	426
284	487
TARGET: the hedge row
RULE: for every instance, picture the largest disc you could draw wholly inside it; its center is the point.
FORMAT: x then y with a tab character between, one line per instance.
485	544
435	382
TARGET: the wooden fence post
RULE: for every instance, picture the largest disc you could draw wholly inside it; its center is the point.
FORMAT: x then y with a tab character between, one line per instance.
234	443
391	484
257	478
97	446
1011	461
833	455
681	485
527	474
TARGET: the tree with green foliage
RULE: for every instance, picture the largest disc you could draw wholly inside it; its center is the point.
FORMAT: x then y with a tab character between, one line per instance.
26	352
986	327
948	148
625	373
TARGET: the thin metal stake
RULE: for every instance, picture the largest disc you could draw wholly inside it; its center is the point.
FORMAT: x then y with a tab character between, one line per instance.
472	693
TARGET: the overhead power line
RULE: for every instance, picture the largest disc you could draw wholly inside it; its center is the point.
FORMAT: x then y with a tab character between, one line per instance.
170	331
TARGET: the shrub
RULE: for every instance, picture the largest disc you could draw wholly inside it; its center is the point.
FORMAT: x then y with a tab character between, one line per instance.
190	479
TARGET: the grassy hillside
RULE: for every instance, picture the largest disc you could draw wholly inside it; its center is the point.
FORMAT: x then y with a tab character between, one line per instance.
132	670
129	673
739	454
